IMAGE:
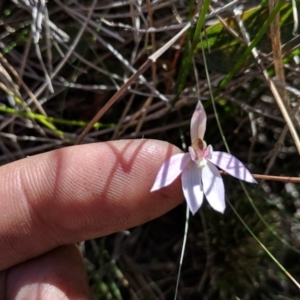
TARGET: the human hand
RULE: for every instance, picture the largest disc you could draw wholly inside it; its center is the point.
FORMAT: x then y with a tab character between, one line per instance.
50	201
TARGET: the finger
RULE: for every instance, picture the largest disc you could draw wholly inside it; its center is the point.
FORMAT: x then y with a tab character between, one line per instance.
59	274
78	193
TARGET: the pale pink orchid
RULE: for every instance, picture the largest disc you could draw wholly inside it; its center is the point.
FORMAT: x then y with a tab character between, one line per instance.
200	176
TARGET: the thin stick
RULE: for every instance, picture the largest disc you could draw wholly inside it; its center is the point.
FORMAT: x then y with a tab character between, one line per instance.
186	228
151	59
270	177
70	51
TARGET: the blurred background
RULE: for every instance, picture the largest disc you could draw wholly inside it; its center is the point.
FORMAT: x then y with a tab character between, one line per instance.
61	61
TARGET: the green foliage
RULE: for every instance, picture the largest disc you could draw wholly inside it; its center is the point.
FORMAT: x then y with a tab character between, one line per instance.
223	50
223	261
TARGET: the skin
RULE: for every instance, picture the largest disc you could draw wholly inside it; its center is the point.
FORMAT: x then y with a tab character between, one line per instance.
50	201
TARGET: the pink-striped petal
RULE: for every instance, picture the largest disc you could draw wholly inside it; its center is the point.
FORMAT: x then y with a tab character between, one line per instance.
170	170
198	123
232	166
192	187
213	187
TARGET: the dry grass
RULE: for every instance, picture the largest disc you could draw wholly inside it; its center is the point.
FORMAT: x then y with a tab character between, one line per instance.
61	63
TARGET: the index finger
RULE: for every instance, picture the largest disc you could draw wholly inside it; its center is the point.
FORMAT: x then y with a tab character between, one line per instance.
78	193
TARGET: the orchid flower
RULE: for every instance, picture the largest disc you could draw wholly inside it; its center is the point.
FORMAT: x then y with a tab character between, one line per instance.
199	175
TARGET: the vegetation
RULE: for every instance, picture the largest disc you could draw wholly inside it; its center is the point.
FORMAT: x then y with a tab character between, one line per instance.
59	67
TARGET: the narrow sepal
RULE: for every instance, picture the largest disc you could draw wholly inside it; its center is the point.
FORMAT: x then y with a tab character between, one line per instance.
192	187
213	187
198	123
170	170
232	166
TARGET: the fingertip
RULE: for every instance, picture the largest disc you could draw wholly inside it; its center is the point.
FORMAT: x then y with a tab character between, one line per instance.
81	192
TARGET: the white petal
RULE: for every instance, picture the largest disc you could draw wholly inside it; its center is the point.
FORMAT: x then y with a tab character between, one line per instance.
232	166
170	170
198	123
192	187
213	187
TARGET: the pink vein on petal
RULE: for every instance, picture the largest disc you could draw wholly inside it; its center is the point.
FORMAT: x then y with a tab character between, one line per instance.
170	170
